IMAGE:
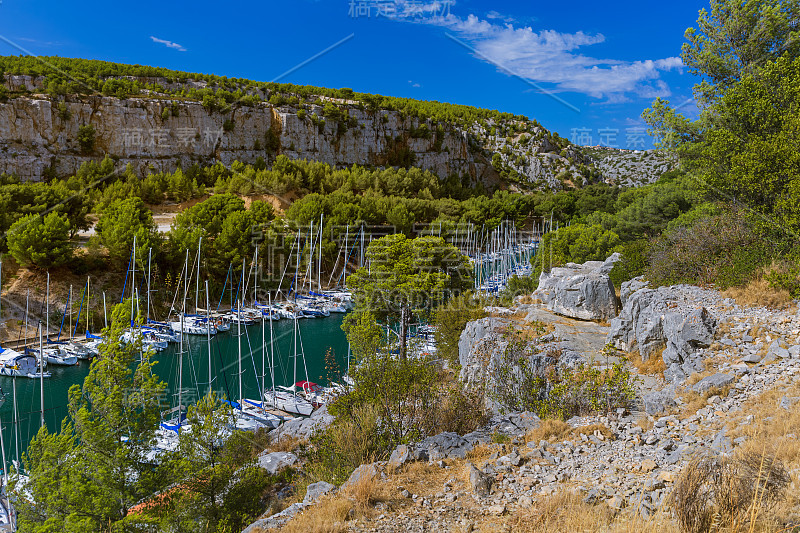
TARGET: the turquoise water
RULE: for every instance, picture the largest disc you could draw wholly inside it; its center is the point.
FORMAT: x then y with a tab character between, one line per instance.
317	335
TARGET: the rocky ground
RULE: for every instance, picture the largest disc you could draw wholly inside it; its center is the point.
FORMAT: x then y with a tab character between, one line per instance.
737	391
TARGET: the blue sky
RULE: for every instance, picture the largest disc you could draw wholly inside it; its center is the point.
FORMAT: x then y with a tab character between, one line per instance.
583	69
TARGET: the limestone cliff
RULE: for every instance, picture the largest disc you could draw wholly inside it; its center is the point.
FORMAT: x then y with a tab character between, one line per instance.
158	132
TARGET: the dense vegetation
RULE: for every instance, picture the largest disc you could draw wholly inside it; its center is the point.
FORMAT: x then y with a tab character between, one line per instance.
742	150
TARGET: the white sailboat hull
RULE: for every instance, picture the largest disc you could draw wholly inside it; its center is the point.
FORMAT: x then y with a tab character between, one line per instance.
289	402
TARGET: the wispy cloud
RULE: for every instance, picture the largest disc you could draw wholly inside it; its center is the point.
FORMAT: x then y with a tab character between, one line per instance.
38	42
168	44
414	84
554	58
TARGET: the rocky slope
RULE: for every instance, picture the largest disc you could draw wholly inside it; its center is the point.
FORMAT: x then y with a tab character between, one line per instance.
739	395
158	131
630	168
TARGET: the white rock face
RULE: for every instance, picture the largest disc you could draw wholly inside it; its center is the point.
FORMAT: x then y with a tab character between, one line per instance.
580	291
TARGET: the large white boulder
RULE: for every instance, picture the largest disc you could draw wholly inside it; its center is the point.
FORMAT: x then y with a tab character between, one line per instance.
580	291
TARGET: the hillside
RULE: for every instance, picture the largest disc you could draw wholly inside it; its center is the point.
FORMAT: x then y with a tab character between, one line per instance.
54	119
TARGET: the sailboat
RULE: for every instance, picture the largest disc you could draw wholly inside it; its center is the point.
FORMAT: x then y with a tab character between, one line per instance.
193	324
257	409
287	399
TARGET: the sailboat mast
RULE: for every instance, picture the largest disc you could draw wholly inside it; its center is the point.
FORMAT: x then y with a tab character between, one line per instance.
133	280
87	308
271	354
197	281
294	359
239	341
183	333
16	420
208	336
263	350
149	272
41	370
47	307
319	255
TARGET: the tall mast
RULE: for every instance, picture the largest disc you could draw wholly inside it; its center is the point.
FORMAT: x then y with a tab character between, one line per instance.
183	333
133	280
149	272
319	255
87	309
263	351
208	336
197	281
16	420
255	278
294	359
239	341
41	370
47	311
271	353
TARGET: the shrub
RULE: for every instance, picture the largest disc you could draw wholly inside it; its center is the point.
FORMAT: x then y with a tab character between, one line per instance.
63	111
227	125
724	250
40	241
633	262
345	445
301	114
86	138
451	319
529	381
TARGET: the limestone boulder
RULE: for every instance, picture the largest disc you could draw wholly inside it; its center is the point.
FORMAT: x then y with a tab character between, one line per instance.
580	291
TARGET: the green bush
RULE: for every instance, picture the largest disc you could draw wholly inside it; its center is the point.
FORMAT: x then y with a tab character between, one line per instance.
451	319
525	382
723	250
86	138
633	262
40	241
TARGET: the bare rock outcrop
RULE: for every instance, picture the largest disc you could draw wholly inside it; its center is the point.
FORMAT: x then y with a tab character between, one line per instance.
580	291
671	320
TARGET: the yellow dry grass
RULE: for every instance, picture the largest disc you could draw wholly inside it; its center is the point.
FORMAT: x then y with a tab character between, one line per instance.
564	512
758	293
329	515
287	444
554	430
653	366
692	401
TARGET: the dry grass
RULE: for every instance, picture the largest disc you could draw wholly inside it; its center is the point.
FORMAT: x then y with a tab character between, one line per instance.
329	515
593	429
730	493
557	430
564	512
773	428
653	366
365	493
286	444
550	429
758	293
692	401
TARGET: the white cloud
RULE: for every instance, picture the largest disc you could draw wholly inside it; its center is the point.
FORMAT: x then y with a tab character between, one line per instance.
553	58
414	84
168	44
